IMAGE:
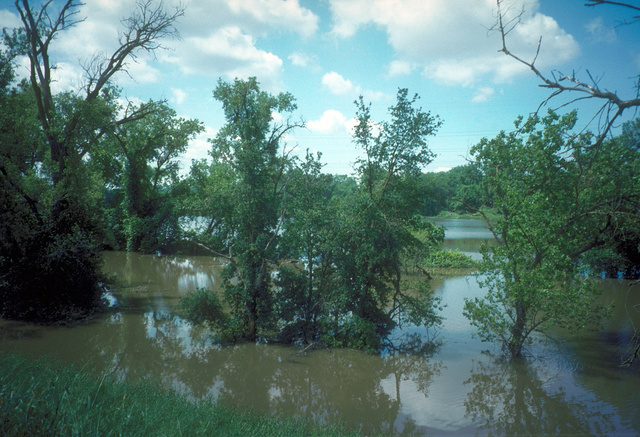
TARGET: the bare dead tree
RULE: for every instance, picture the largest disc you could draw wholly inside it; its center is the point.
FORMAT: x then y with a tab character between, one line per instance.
143	30
613	106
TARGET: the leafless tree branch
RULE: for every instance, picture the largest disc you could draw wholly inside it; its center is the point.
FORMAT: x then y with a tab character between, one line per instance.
144	30
569	84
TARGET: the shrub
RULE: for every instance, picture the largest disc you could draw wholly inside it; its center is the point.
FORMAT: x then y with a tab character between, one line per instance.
450	259
57	278
203	306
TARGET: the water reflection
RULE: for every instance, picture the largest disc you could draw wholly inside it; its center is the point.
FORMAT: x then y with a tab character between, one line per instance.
363	390
569	386
523	398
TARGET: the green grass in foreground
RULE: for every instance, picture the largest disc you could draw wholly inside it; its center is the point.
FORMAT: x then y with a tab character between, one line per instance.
48	399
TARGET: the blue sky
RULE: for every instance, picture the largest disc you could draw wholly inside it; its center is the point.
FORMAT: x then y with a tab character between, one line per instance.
328	52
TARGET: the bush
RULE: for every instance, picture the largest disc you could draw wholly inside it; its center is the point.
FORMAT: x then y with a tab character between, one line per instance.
450	259
203	306
57	278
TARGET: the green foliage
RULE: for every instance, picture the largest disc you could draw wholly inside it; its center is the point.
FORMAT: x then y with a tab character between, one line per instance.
306	290
428	236
139	161
557	198
49	260
45	398
449	259
56	278
329	270
52	191
203	306
458	190
373	225
242	197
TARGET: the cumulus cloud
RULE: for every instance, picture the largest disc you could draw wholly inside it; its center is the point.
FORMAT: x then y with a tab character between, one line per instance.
450	40
225	30
220	37
8	19
179	96
229	52
332	122
299	59
257	17
400	68
286	14
337	84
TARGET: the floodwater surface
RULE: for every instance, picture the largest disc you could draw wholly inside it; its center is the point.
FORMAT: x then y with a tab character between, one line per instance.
567	385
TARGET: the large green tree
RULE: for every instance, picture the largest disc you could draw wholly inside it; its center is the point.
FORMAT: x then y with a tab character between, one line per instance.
306	277
50	260
373	225
143	164
558	195
249	201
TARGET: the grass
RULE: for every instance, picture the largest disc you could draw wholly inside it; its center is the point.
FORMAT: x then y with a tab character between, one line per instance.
42	398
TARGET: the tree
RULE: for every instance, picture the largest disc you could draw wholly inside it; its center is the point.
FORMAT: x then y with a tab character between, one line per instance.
458	190
142	31
146	150
307	276
50	260
248	158
557	198
613	105
372	226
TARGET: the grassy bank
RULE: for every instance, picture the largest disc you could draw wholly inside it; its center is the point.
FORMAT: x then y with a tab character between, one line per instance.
48	399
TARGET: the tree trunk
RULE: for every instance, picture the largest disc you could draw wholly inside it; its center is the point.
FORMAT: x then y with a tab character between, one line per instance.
518	335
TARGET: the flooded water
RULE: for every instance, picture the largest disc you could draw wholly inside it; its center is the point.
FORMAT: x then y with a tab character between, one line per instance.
569	385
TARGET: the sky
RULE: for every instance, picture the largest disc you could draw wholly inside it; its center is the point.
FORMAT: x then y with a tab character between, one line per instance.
328	52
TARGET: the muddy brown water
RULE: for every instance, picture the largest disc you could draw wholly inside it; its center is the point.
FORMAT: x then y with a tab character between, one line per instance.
568	385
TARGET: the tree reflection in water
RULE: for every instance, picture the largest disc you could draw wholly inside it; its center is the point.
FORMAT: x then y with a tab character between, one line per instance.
515	397
364	391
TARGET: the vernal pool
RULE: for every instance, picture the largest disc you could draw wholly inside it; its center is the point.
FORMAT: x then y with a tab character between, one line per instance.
568	384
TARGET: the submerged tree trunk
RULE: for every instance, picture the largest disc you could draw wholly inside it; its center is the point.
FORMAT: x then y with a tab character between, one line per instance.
518	334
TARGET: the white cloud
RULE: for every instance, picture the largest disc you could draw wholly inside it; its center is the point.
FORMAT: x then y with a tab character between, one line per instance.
65	77
226	32
299	59
337	84
400	68
277	14
483	94
229	52
440	169
257	17
179	96
450	40
332	122
9	19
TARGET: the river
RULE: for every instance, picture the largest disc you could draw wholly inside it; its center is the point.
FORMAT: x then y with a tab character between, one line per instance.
568	385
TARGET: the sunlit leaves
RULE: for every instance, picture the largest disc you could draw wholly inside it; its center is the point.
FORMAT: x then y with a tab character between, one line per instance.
550	212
